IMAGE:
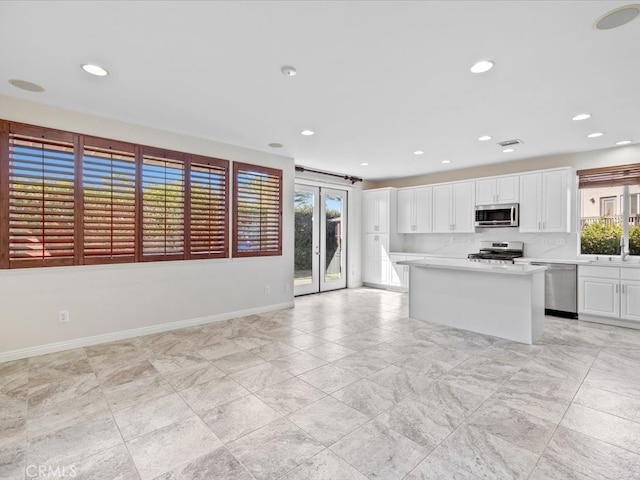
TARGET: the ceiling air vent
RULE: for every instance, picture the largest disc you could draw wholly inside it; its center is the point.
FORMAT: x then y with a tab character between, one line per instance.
510	143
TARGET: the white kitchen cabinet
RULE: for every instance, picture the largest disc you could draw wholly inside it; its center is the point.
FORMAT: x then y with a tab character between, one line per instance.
377	206
399	275
453	207
545	201
609	292
376	259
630	294
414	210
497	190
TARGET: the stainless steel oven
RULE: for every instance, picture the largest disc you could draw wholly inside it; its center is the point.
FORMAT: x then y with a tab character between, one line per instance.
505	215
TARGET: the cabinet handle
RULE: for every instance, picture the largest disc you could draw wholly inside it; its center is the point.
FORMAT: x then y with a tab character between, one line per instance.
623	288
376	228
375	237
617	288
539	226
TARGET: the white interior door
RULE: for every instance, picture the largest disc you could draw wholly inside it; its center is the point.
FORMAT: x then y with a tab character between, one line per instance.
320	239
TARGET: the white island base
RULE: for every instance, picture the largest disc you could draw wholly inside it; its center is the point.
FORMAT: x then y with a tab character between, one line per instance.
502	301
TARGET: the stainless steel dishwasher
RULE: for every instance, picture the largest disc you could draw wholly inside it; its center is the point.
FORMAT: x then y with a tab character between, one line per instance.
560	289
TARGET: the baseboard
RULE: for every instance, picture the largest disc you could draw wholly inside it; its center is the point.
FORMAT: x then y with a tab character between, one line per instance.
136	332
616	322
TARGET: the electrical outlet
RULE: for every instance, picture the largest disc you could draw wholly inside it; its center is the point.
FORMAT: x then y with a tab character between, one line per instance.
267	290
63	316
560	241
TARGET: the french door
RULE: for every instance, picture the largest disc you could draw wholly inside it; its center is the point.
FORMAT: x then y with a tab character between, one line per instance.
320	239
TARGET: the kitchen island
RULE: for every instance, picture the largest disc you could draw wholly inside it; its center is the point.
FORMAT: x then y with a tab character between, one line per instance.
505	301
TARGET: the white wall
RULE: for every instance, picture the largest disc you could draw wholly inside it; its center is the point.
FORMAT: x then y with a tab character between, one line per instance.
107	299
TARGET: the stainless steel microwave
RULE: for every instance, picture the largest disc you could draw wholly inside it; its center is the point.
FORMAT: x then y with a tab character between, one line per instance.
505	215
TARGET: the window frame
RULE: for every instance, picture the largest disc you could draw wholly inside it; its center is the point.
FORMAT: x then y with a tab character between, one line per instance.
220	226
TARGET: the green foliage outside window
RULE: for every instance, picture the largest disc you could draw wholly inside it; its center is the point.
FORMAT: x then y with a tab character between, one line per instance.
600	238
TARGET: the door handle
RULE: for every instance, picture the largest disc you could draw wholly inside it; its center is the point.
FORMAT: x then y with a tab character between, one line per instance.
317	250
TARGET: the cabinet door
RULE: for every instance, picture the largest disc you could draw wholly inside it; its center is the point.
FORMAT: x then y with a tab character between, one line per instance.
463	207
599	296
423	208
554	201
384	206
507	189
369	211
406	210
630	299
442	197
397	271
486	191
530	191
371	267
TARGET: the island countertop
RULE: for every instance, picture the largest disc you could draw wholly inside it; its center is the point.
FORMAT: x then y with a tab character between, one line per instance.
464	264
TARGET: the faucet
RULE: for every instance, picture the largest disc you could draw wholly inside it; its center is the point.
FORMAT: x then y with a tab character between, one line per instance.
624	253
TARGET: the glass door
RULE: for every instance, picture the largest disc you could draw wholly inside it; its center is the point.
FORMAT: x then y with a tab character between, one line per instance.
332	236
320	226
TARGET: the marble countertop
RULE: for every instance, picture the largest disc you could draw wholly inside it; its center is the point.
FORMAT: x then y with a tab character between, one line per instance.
466	265
568	261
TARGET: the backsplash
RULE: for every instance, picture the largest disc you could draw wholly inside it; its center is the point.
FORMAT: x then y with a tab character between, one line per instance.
536	245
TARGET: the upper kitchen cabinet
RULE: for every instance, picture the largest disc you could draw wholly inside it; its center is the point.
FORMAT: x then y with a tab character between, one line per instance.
414	210
377	206
545	201
496	190
453	207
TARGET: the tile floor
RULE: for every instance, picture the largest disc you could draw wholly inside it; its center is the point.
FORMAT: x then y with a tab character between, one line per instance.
344	386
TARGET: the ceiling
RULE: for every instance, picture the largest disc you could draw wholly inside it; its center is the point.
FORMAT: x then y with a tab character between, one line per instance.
377	80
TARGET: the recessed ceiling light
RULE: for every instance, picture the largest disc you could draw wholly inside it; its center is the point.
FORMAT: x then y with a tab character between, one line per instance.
364	164
306	133
28	86
582	116
509	150
96	70
623	142
482	66
617	17
484	138
445	161
275	145
418	152
289	71
595	135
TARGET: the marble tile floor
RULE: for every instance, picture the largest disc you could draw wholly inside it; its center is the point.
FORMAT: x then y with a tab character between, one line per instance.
343	386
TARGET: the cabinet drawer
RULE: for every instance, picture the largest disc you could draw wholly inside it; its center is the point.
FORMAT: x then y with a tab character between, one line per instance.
630	273
598	272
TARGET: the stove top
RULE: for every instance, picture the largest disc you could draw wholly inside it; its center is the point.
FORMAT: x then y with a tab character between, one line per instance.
498	252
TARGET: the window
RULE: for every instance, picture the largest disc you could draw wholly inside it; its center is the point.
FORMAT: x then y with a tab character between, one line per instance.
209	193
109	213
41	199
605	230
163	185
257	202
70	199
607	206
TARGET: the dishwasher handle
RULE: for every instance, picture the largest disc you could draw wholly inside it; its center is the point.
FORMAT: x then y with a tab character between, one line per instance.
556	266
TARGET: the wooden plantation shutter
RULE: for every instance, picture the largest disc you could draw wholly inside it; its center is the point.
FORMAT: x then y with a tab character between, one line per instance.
163	204
41	197
209	189
257	211
109	183
609	176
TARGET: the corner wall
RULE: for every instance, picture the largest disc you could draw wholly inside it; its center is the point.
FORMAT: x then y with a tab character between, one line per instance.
114	301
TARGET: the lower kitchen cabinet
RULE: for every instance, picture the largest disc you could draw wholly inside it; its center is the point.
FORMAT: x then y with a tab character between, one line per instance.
376	259
609	292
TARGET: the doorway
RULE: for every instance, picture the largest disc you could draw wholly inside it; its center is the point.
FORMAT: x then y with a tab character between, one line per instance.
320	239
